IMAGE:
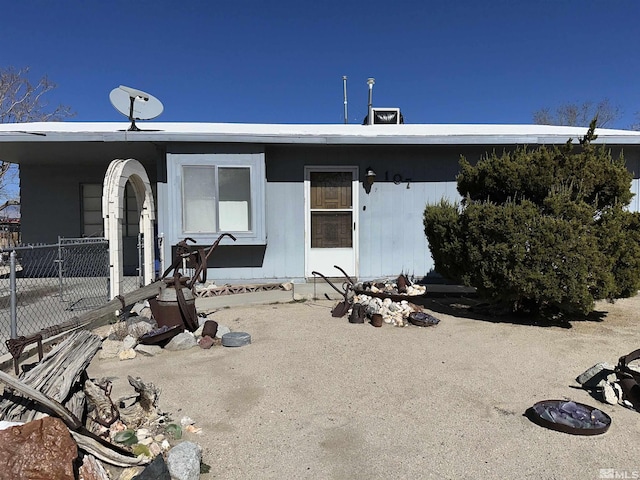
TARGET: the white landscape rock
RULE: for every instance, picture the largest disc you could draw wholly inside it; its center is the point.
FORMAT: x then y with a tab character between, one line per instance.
609	394
127	354
182	341
128	343
198	332
222	329
110	349
184	461
594	375
138	307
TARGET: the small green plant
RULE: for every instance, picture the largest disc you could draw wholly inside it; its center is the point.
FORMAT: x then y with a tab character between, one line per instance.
174	431
126	437
139	449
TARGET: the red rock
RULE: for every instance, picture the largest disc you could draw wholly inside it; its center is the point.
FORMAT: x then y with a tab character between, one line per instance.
39	450
206	342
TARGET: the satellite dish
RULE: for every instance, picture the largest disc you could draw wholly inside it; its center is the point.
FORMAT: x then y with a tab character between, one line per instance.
135	104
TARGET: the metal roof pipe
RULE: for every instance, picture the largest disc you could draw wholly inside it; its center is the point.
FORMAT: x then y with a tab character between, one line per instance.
344	89
370	82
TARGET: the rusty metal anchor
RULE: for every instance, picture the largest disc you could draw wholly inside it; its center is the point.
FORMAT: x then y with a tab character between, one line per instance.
341	308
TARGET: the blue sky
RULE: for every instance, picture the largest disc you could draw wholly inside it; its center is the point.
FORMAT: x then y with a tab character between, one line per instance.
443	61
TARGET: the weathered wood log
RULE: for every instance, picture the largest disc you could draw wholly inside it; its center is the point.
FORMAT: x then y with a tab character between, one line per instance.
144	410
30	393
148	393
88	318
77	404
102	411
56	376
92	469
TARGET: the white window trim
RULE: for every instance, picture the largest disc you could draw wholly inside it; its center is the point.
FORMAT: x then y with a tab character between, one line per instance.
254	161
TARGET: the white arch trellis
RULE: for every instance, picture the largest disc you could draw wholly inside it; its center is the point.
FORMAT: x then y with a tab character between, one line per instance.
113	192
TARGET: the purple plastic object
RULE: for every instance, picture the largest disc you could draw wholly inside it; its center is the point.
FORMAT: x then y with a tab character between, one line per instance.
569	417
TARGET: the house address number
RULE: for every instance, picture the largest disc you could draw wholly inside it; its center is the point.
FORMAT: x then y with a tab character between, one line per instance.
397	179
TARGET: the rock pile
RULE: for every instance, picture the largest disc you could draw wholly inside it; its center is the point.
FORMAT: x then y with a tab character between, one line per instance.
122	339
614	384
395	313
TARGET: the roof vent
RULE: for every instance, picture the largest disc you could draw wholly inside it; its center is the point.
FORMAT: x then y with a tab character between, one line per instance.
384	116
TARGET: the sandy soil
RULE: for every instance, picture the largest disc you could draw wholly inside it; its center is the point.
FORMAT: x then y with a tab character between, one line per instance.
316	397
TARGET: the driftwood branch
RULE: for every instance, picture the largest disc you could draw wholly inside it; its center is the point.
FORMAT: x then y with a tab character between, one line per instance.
56	376
56	407
91	444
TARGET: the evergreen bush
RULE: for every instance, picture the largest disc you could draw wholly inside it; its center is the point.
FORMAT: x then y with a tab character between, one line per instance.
542	231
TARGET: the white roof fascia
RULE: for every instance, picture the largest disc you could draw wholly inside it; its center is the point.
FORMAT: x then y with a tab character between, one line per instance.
338	134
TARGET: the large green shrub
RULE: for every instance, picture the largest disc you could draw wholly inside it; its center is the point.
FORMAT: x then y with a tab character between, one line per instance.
543	231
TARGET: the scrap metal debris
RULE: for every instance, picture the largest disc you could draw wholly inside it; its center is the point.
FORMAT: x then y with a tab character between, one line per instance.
618	384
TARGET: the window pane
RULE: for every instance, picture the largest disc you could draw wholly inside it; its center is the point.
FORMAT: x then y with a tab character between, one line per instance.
92	190
199	199
331	230
331	190
93	204
92	224
234	186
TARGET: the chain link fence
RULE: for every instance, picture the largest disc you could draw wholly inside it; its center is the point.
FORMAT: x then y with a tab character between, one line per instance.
52	284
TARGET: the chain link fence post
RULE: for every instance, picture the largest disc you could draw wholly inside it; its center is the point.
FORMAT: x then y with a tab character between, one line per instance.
59	262
13	295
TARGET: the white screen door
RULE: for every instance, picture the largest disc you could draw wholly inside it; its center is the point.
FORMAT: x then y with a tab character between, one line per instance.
331	227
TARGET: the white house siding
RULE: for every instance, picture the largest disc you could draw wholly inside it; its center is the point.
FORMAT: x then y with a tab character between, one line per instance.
633	164
392	238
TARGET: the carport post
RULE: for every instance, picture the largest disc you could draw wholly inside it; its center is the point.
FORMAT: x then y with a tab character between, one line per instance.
12	291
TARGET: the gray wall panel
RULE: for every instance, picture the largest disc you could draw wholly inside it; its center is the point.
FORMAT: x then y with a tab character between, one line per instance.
50	206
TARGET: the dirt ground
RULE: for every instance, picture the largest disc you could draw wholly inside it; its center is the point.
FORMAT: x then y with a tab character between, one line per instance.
317	397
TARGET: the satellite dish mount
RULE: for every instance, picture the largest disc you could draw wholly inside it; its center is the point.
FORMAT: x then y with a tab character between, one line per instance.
135	105
132	119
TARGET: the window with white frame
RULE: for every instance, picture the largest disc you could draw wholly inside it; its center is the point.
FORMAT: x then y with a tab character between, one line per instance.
216	199
221	193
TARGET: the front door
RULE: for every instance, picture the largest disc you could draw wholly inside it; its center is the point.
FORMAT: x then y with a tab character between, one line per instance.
331	230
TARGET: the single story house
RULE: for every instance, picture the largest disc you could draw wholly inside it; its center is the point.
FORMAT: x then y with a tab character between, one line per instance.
297	198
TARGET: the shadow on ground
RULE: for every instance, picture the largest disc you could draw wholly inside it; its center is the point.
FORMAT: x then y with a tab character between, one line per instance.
465	306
